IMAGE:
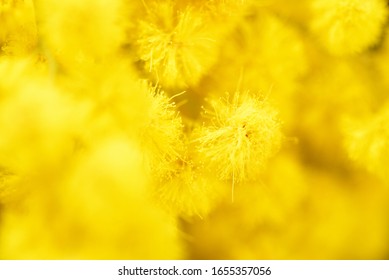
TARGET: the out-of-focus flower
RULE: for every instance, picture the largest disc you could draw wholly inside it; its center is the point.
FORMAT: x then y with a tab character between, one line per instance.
348	26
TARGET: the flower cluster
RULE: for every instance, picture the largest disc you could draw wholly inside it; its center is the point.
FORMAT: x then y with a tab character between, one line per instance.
185	129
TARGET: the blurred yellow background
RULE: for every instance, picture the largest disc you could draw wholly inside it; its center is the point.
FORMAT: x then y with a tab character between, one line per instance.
183	129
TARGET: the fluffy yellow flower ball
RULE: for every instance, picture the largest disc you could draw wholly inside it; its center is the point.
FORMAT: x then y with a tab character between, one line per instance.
242	134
